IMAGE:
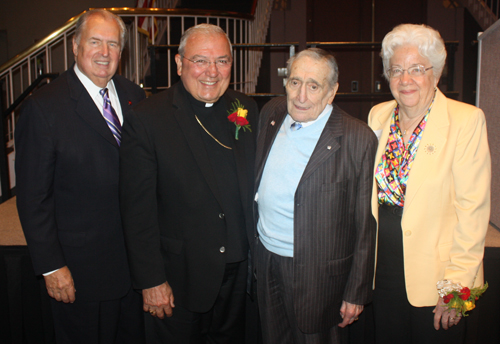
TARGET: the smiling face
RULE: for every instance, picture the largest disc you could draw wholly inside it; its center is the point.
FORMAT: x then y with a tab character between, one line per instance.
98	53
308	90
205	84
413	94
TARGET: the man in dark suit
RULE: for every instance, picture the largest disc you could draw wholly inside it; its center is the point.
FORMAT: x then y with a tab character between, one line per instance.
67	164
315	256
186	190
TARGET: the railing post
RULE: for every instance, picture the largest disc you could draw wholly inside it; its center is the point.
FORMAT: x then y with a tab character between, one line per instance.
152	56
4	164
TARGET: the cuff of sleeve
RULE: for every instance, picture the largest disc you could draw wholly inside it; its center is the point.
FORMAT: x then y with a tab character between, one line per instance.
50	272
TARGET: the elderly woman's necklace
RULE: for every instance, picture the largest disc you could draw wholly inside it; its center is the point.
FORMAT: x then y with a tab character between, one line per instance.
412	123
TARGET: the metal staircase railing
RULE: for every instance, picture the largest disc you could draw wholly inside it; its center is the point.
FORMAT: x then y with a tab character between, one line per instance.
486	12
53	54
7	177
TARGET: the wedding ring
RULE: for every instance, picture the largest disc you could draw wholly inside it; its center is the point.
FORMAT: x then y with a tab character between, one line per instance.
152	311
452	319
356	319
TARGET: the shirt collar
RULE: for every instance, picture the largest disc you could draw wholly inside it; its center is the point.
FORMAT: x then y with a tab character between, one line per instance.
90	86
326	111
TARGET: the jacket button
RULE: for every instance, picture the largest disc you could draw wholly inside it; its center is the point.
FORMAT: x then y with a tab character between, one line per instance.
221	216
222	249
407	233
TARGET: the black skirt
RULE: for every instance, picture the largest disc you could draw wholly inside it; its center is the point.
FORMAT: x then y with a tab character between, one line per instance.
396	320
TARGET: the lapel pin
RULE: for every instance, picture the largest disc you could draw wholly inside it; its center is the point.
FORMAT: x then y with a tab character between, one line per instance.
272	123
430	148
329	147
129	102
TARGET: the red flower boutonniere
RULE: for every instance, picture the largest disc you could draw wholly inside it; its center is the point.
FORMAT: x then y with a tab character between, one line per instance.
238	115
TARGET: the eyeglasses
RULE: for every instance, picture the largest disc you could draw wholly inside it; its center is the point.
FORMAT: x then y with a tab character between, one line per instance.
204	64
415	71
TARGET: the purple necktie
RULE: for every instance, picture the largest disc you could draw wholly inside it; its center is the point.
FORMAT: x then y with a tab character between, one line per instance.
111	117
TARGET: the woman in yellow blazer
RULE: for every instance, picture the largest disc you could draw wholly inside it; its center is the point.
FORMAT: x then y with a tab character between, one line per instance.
431	195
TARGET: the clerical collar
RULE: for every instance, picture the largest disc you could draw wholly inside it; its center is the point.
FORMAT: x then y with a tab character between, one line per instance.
200	104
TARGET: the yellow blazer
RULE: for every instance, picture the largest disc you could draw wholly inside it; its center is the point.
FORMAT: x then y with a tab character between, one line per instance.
447	204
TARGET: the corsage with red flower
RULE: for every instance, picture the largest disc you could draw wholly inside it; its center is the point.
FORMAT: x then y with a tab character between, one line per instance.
238	115
461	298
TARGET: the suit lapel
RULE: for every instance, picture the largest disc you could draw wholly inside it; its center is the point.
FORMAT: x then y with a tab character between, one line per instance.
86	108
239	151
430	147
124	96
187	122
266	137
327	143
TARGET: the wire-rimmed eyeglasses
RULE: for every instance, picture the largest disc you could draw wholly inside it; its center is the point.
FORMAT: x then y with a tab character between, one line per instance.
203	64
415	71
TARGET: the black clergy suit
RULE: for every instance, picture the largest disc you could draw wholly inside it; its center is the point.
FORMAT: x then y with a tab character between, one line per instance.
334	230
67	165
175	210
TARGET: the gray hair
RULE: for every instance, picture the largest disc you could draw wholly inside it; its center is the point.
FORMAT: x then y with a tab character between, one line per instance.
428	41
82	23
318	55
204	29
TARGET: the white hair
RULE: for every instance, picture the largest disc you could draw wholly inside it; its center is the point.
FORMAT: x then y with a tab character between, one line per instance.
427	40
81	24
205	29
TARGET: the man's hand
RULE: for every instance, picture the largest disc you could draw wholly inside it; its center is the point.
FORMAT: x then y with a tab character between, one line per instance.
446	317
350	313
159	300
60	285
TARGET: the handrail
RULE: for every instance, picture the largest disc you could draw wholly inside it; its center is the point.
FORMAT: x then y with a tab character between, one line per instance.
27	92
177	11
21	56
165	47
351	95
485	12
120	11
347	44
53	54
342	44
451	47
4	166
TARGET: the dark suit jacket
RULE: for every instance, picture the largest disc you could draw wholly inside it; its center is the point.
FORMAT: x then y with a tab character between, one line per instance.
334	230
172	214
67	164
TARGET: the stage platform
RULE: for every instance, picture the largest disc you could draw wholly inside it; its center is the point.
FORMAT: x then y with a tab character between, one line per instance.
25	310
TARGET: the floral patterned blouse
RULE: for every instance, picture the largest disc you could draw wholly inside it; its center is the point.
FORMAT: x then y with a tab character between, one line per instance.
394	168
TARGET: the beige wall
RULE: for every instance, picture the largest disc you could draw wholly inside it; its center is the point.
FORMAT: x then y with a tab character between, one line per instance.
27	21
